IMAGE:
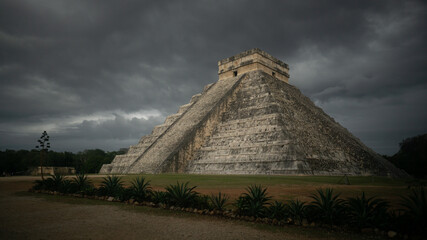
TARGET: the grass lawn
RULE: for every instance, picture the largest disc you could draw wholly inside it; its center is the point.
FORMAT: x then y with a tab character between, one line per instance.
280	187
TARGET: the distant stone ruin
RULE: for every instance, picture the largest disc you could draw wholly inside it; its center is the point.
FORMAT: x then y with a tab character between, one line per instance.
251	121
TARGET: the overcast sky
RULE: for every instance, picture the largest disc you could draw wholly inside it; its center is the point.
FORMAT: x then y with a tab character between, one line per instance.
101	74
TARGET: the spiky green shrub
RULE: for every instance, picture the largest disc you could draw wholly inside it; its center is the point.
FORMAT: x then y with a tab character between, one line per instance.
398	221
277	210
201	201
367	212
415	209
67	186
111	186
181	194
159	197
54	182
327	207
297	210
83	184
140	189
254	202
219	201
125	194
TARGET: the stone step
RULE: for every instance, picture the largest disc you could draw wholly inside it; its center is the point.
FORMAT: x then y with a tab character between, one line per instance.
172	139
195	97
147	138
159	129
256	157
238	140
172	118
278	149
261	120
243	145
184	107
237	130
268	167
255	110
206	88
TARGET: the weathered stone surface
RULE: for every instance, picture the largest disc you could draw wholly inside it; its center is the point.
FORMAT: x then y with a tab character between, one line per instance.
252	123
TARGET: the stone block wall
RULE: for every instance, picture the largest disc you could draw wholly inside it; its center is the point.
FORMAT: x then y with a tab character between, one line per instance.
252	60
252	123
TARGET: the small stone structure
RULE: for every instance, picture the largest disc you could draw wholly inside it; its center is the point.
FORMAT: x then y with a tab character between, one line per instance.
53	170
251	60
251	121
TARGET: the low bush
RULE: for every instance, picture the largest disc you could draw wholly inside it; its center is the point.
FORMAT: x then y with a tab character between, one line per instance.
219	201
54	182
125	194
141	189
159	197
181	195
415	209
67	186
254	202
277	210
367	212
83	184
327	207
111	186
297	211
201	201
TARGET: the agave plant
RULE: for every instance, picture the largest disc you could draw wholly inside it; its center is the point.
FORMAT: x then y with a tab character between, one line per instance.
297	210
67	186
140	189
277	210
367	212
181	194
328	207
54	182
254	202
125	194
111	186
415	208
83	184
218	202
202	201
159	197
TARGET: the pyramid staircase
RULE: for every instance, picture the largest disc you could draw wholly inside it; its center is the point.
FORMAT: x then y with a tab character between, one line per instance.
251	122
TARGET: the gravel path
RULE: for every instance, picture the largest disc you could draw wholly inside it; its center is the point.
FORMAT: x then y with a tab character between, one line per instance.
28	216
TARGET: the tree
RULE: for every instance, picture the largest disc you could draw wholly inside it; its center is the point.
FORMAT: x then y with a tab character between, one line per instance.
412	156
44	146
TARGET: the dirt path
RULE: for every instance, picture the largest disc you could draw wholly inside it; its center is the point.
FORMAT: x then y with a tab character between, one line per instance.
29	216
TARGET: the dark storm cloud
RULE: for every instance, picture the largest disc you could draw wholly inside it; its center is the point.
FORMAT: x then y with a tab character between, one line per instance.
80	69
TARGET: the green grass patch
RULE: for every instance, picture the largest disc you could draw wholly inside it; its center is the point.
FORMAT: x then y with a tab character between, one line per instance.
238	181
281	188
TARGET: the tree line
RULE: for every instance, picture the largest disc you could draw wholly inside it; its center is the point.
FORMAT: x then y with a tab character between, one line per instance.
412	156
19	162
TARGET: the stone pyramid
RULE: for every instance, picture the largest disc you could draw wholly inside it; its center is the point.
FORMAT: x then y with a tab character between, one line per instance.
251	121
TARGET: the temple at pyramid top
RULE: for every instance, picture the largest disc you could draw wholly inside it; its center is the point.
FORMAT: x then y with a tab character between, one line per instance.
251	121
251	60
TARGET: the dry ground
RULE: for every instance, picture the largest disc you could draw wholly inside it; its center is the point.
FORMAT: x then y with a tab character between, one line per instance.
36	216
